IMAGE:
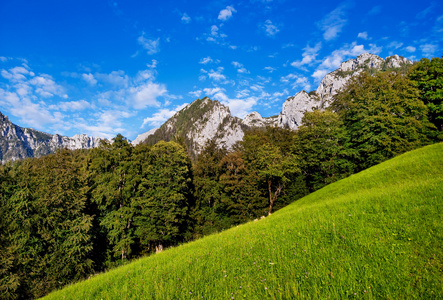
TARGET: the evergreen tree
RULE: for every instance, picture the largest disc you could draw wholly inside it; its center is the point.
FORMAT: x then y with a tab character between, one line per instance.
115	177
163	198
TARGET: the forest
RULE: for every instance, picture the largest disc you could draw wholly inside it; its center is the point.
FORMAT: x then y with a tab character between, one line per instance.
72	214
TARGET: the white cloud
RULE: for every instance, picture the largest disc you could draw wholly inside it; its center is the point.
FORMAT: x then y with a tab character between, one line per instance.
363	35
319	74
196	93
152	46
394	45
212	91
375	10
270	28
162	116
333	23
186	18
16	74
89	78
115	78
146	95
309	55
46	86
410	49
217	75
71	106
240	68
297	81
206	60
226	13
270	69
428	49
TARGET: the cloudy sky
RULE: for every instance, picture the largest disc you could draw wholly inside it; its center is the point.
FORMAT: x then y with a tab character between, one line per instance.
104	67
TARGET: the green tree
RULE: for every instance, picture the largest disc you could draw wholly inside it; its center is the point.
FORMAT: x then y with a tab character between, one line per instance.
163	198
208	212
114	184
321	145
242	200
427	75
383	116
276	168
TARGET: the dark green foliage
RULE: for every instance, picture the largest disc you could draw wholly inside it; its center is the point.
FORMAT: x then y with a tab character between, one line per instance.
320	144
428	78
49	240
383	116
163	197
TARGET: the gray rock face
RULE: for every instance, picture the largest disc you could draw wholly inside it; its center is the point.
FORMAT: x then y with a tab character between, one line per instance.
254	119
199	122
141	137
216	123
337	79
294	108
18	143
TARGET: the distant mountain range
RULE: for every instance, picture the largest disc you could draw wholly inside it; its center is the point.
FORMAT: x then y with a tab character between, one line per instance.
201	120
18	143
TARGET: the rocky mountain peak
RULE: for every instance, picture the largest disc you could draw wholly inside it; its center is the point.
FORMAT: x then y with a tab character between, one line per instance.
18	143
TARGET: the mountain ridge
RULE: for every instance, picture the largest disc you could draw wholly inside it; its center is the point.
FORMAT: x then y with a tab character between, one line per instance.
202	120
18	143
293	109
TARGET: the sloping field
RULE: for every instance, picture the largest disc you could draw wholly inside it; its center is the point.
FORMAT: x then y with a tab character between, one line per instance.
377	234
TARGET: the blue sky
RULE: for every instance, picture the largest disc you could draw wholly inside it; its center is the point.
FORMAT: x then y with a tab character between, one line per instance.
109	67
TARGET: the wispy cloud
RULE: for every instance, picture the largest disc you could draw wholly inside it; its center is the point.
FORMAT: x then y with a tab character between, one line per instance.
363	35
152	46
186	18
428	49
89	78
205	60
161	116
309	55
333	23
226	13
270	28
240	68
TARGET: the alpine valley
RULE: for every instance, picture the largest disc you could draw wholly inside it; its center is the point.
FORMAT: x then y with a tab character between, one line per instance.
202	120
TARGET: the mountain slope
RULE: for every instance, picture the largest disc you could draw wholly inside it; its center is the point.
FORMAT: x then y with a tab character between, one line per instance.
199	121
17	142
375	234
204	119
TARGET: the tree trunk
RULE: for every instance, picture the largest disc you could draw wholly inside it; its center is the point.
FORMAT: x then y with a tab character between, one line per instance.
272	198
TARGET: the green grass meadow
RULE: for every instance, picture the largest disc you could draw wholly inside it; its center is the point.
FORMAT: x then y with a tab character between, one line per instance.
375	235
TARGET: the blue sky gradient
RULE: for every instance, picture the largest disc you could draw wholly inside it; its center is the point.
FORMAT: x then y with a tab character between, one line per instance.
109	67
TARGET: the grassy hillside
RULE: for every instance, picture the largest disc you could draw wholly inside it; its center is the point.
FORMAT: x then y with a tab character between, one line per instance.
376	234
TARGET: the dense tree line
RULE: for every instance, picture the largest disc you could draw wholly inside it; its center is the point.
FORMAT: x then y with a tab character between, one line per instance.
66	216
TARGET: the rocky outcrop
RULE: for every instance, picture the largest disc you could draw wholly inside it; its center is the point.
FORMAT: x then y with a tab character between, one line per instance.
141	137
199	122
295	107
18	143
254	119
337	79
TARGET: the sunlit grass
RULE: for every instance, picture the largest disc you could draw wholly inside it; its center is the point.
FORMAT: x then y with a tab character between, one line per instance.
377	234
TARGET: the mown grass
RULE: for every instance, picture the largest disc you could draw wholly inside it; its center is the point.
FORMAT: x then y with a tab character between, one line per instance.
377	234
